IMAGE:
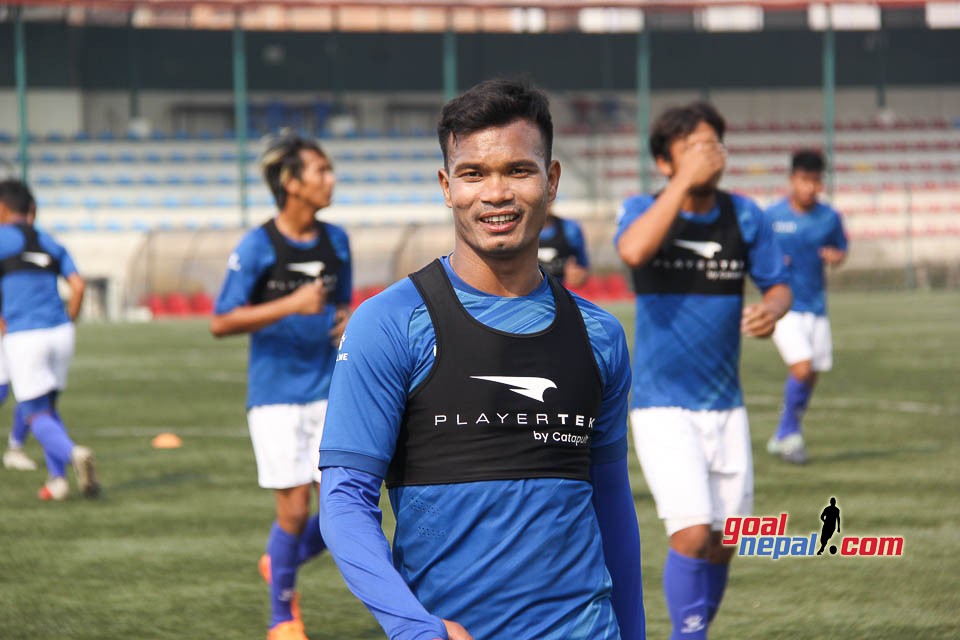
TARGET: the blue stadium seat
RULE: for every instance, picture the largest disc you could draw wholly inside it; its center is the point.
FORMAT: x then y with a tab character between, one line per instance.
177	157
44	181
105	136
81	136
171	202
113	225
126	157
394	178
91	202
102	157
118	202
346	178
97	180
75	157
71	180
344	199
150	179
123	180
371	178
153	157
61	227
139	225
200	180
226	179
158	135
347	156
173	180
48	157
203	156
145	202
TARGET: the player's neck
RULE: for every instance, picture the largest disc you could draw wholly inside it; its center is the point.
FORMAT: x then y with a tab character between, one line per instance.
509	277
699	203
297	222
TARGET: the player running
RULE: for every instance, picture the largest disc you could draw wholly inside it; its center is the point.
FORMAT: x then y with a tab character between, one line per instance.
39	340
288	285
691	247
811	235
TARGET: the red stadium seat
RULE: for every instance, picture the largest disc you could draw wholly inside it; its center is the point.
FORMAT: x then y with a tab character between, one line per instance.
177	304
201	304
155	303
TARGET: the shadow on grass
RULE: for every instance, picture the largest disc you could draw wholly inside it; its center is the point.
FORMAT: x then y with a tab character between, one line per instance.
862	454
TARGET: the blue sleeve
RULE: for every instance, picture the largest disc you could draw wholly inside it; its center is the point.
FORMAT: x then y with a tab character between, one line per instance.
613	359
368	393
838	236
341	245
578	243
350	521
617	517
11	242
764	254
245	265
631	209
67	266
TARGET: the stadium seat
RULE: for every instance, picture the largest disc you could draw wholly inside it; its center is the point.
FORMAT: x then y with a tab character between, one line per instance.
176	304
201	303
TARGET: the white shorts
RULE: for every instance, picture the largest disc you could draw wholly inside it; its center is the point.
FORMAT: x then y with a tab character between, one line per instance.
286	443
802	336
38	360
4	374
698	464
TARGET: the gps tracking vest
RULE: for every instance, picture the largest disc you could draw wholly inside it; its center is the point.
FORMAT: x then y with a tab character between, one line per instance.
709	259
32	258
495	405
295	266
554	252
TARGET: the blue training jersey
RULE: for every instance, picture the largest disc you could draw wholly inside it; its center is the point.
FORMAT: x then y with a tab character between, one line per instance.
574	235
687	347
801	236
504	558
291	360
31	299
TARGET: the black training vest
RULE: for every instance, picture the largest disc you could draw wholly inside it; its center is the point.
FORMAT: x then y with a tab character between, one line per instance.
460	427
32	258
295	266
708	259
554	252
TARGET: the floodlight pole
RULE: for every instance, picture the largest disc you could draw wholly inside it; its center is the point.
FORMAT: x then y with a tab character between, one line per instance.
449	60
829	99
20	66
643	106
240	114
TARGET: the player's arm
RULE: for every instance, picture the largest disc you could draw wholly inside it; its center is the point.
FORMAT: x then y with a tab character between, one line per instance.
612	496
368	395
350	519
702	158
307	299
765	259
77	288
343	295
835	251
576	269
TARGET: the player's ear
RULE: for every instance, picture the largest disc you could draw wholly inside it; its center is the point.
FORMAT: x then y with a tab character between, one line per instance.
444	179
664	166
553	180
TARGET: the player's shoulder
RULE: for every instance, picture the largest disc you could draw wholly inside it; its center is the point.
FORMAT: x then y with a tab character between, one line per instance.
637	203
254	239
336	231
745	205
827	210
778	207
391	307
600	323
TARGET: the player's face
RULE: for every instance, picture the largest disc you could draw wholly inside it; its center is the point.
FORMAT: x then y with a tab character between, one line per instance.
805	186
703	136
499	186
315	185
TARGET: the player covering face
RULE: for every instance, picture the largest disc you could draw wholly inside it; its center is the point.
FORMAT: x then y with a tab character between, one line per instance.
492	402
690	248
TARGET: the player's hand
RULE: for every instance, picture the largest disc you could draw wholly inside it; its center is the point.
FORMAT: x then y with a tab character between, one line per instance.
573	274
455	631
309	298
339	326
832	256
701	161
757	321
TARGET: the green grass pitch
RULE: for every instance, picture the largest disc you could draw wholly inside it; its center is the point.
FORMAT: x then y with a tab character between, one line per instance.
171	551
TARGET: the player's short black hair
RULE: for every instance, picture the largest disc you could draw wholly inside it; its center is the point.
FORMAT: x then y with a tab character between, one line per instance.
281	162
807	160
494	103
678	122
16	196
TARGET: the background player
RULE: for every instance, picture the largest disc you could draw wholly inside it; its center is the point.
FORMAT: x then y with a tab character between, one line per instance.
811	235
39	340
288	285
563	251
461	386
15	457
690	248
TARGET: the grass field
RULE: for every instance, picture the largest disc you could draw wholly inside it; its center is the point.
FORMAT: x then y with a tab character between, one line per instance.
171	550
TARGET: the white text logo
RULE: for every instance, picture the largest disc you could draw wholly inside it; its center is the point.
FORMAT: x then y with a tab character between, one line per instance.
42	260
312	269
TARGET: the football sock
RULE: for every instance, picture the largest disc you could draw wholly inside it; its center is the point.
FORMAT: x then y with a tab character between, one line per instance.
716	583
685	587
52	436
311	542
796	395
282	548
20	430
4	392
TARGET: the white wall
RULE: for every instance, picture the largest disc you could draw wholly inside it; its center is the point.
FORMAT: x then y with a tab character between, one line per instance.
48	111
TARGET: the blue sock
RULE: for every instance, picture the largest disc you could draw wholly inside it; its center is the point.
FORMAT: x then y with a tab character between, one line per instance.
716	583
796	395
685	586
4	392
311	542
282	548
52	436
20	430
